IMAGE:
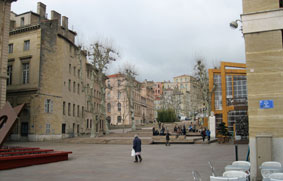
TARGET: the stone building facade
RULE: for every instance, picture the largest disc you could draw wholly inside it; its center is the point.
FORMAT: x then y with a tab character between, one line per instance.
263	33
117	101
5	8
187	92
50	75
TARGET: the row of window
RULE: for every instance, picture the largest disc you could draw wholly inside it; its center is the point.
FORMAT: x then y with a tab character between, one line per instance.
118	83
75	113
25	48
118	95
92	107
75	71
25	73
109	107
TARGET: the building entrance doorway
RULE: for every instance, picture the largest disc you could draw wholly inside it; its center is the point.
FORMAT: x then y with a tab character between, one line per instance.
24	129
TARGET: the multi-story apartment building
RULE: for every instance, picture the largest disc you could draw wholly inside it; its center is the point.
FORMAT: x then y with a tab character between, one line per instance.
50	75
158	86
190	95
147	95
262	29
5	8
118	100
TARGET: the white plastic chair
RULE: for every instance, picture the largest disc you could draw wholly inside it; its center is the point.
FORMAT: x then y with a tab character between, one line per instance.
276	176
213	178
265	172
238	174
196	175
271	164
212	168
242	163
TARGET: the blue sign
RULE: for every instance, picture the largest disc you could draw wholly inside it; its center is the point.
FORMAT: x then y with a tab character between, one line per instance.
266	104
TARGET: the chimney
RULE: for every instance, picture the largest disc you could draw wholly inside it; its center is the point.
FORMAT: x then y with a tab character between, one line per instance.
56	15
65	22
41	9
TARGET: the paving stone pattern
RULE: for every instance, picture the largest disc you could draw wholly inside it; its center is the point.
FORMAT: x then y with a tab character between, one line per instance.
113	162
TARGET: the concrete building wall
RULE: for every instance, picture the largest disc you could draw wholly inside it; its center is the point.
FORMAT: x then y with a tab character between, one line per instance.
264	55
5	7
250	6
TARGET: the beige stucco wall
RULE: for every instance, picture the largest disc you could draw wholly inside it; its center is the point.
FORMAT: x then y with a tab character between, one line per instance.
264	60
250	6
4	36
32	56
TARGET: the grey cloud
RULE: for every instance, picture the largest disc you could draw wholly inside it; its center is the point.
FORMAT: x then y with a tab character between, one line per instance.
161	37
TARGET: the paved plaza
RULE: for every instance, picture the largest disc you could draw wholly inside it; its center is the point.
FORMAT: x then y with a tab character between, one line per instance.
113	162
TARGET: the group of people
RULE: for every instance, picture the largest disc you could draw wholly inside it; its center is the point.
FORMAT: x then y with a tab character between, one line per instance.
205	132
156	132
180	130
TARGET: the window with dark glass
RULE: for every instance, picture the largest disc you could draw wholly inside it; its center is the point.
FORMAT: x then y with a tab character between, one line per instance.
109	107
26	45
11	48
25	73
22	21
78	111
9	74
119	106
69	109
63	128
64	105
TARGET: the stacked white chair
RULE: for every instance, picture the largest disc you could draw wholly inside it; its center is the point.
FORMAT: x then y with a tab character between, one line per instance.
214	178
242	163
276	176
266	172
241	175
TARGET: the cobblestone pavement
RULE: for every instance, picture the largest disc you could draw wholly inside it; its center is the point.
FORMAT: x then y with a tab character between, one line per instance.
113	162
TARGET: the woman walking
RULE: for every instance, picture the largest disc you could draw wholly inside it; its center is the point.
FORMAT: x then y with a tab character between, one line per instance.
137	148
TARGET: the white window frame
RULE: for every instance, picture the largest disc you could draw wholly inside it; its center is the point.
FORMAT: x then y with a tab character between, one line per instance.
26	45
48	106
25	72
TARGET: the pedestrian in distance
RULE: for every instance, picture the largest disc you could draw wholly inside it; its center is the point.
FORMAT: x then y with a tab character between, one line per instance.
153	131
167	138
137	148
203	134
208	134
175	128
184	131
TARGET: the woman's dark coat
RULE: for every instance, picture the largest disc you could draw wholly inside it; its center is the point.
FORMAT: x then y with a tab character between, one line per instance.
137	144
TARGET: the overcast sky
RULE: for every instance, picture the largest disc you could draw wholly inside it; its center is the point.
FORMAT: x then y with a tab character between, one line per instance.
161	38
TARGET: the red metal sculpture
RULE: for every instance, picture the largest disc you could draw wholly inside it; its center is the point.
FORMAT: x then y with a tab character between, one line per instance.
14	157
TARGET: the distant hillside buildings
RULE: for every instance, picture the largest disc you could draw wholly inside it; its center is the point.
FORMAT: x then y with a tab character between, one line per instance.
118	98
183	95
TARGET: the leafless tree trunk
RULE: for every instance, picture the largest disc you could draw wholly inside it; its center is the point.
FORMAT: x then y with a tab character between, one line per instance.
201	75
101	56
130	86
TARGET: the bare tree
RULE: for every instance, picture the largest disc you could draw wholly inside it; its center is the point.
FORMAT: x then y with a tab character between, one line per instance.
172	100
100	56
202	79
131	85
